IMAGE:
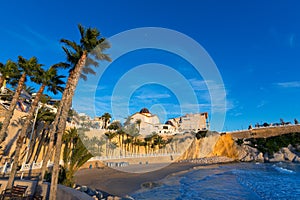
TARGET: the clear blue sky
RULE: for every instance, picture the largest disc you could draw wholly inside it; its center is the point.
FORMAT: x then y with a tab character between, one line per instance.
254	44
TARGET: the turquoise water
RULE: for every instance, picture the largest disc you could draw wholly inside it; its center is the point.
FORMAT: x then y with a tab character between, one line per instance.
231	181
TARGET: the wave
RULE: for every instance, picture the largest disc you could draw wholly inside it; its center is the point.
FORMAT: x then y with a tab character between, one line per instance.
283	170
235	181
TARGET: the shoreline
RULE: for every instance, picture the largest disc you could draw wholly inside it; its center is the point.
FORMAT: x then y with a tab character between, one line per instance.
123	184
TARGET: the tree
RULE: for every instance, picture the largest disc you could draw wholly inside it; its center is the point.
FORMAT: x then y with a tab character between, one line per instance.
30	90
138	122
75	155
296	121
100	142
50	80
266	124
116	125
77	56
109	135
106	117
9	72
131	132
26	67
45	117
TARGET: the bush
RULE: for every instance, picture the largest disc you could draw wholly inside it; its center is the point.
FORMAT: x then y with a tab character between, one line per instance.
274	144
200	134
239	142
61	176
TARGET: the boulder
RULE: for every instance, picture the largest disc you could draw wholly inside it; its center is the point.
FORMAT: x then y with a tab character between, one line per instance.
113	198
291	148
288	155
277	157
252	154
297	159
260	157
83	188
99	194
266	157
297	147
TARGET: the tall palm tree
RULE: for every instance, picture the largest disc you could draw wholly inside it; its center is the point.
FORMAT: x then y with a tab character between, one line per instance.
100	142
45	117
106	117
50	80
110	136
138	122
9	72
77	56
26	67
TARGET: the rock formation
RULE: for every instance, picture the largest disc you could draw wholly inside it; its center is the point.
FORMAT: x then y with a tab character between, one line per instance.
216	145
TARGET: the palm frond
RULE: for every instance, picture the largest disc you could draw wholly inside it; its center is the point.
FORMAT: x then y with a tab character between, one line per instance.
84	77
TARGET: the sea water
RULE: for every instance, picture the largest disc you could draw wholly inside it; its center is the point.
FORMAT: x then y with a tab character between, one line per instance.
230	181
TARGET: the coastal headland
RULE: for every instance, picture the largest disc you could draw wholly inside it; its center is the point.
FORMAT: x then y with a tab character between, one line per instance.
213	148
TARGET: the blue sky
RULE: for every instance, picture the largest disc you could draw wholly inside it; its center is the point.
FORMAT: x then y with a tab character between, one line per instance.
255	45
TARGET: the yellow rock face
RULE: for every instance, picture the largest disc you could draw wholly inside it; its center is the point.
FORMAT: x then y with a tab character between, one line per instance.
226	146
214	145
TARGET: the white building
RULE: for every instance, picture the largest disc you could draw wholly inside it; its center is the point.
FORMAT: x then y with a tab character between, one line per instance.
149	123
190	122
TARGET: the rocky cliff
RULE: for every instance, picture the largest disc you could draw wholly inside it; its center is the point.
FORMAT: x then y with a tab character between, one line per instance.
214	144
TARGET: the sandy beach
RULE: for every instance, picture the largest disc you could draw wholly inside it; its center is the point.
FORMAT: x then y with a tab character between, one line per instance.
121	183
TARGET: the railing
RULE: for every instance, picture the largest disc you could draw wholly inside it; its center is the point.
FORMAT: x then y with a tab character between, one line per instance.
38	165
99	158
25	167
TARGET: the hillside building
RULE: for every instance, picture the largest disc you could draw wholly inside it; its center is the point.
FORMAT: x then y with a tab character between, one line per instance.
149	123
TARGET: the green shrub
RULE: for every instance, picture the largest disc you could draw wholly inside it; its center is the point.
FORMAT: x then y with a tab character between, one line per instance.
274	144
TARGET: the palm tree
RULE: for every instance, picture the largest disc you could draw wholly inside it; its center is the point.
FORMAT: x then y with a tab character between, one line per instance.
9	72
75	154
138	122
29	89
109	135
53	82
77	56
45	117
91	145
106	117
100	142
26	67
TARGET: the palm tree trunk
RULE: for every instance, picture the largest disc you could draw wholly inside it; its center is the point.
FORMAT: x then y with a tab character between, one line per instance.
50	148
22	136
53	130
41	141
69	93
1	81
9	113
